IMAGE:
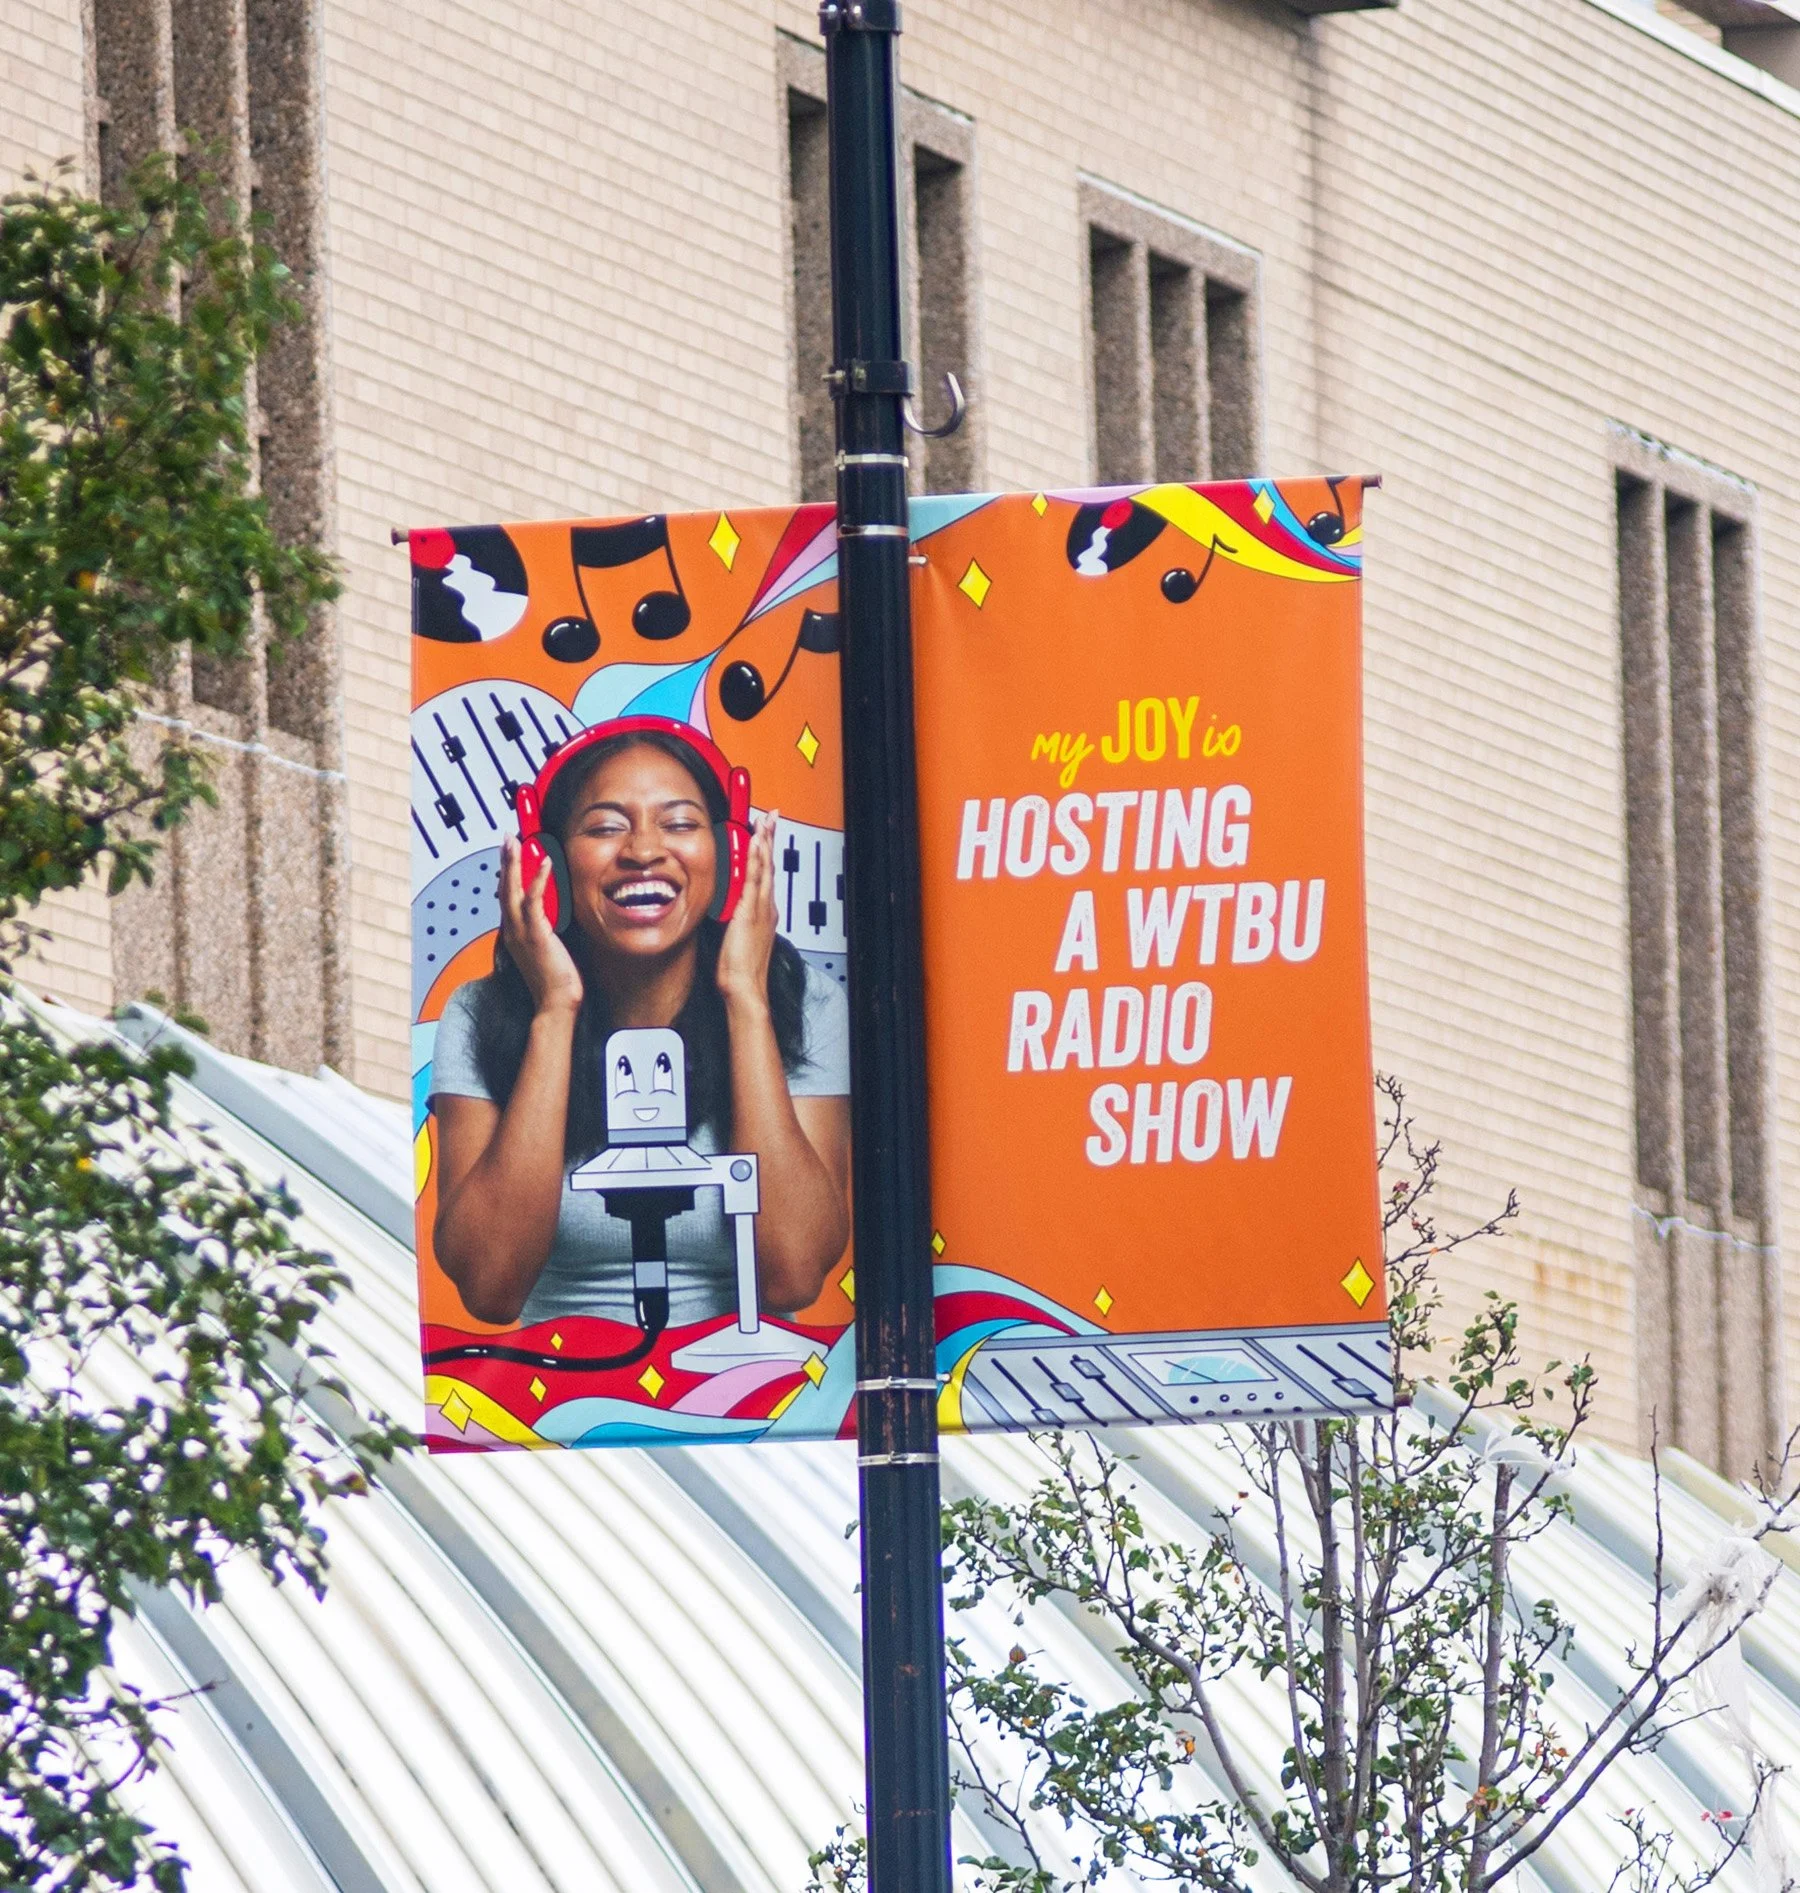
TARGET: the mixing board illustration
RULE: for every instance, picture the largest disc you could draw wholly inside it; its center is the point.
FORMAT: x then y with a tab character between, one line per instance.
1105	1380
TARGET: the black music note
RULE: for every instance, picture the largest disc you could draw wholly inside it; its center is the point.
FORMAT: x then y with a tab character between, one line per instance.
1179	584
657	615
1326	529
571	640
742	692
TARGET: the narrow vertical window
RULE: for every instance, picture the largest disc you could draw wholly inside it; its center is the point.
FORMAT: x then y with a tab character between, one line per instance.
134	81
941	226
1649	830
1734	631
212	111
1232	372
1120	336
809	195
1177	384
290	390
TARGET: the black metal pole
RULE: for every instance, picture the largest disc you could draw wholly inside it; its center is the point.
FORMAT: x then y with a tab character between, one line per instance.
908	1804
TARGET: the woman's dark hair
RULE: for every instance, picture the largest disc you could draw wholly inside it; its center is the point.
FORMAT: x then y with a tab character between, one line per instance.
503	1007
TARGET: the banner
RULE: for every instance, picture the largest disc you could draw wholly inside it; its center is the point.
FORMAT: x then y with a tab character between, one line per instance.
1138	717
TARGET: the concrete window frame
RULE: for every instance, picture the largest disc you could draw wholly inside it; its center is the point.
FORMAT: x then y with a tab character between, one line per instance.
247	923
938	260
1175	347
1691	671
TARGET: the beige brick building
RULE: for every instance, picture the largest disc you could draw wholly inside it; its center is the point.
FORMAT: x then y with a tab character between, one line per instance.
1538	264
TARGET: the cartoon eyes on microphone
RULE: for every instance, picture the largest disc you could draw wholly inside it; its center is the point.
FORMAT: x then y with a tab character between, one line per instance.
742	691
657	615
662	1075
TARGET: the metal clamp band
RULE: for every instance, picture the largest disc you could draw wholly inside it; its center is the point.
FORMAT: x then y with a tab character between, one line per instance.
863	377
874	532
902	1383
872	460
896	1459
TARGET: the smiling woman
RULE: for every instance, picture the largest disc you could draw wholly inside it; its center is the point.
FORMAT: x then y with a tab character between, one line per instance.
630	939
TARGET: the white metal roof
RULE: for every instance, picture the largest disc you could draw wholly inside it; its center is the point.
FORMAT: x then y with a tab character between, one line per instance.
639	1670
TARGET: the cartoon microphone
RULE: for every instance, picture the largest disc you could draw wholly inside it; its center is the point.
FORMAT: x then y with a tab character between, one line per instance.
649	1171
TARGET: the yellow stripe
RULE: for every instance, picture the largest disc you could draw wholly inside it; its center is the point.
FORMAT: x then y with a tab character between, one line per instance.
950	1419
1194	514
485	1411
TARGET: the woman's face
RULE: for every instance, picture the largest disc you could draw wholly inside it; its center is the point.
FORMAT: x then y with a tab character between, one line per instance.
642	859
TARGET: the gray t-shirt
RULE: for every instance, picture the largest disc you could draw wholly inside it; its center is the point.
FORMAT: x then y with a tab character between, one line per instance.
588	1271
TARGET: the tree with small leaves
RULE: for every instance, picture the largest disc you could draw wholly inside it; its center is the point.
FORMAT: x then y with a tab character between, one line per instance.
155	1301
131	531
1367	1570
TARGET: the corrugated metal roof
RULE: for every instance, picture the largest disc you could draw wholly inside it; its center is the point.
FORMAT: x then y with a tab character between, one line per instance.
639	1670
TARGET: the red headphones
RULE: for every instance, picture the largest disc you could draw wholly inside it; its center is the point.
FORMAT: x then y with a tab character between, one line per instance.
732	835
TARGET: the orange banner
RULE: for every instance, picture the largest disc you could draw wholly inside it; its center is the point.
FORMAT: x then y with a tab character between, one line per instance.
1140	805
1140	779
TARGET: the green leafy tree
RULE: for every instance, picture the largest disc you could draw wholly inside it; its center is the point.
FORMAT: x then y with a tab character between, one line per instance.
1378	1593
134	1257
130	528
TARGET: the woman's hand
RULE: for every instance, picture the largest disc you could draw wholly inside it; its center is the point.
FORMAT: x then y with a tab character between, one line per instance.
803	1143
545	964
750	932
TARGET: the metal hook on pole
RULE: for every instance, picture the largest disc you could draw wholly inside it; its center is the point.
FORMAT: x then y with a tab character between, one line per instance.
959	406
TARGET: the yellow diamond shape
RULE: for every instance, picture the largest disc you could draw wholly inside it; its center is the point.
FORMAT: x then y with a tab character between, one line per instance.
725	541
538	1389
651	1381
849	1285
1038	504
1103	1301
975	585
556	1342
456	1411
807	744
938	1244
814	1368
1263	505
1359	1284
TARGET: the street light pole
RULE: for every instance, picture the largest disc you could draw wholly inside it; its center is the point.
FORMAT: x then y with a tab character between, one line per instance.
908	1793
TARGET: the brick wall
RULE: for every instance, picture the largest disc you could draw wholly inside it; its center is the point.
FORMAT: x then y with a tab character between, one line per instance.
1538	220
558	279
43	118
516	334
43	113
